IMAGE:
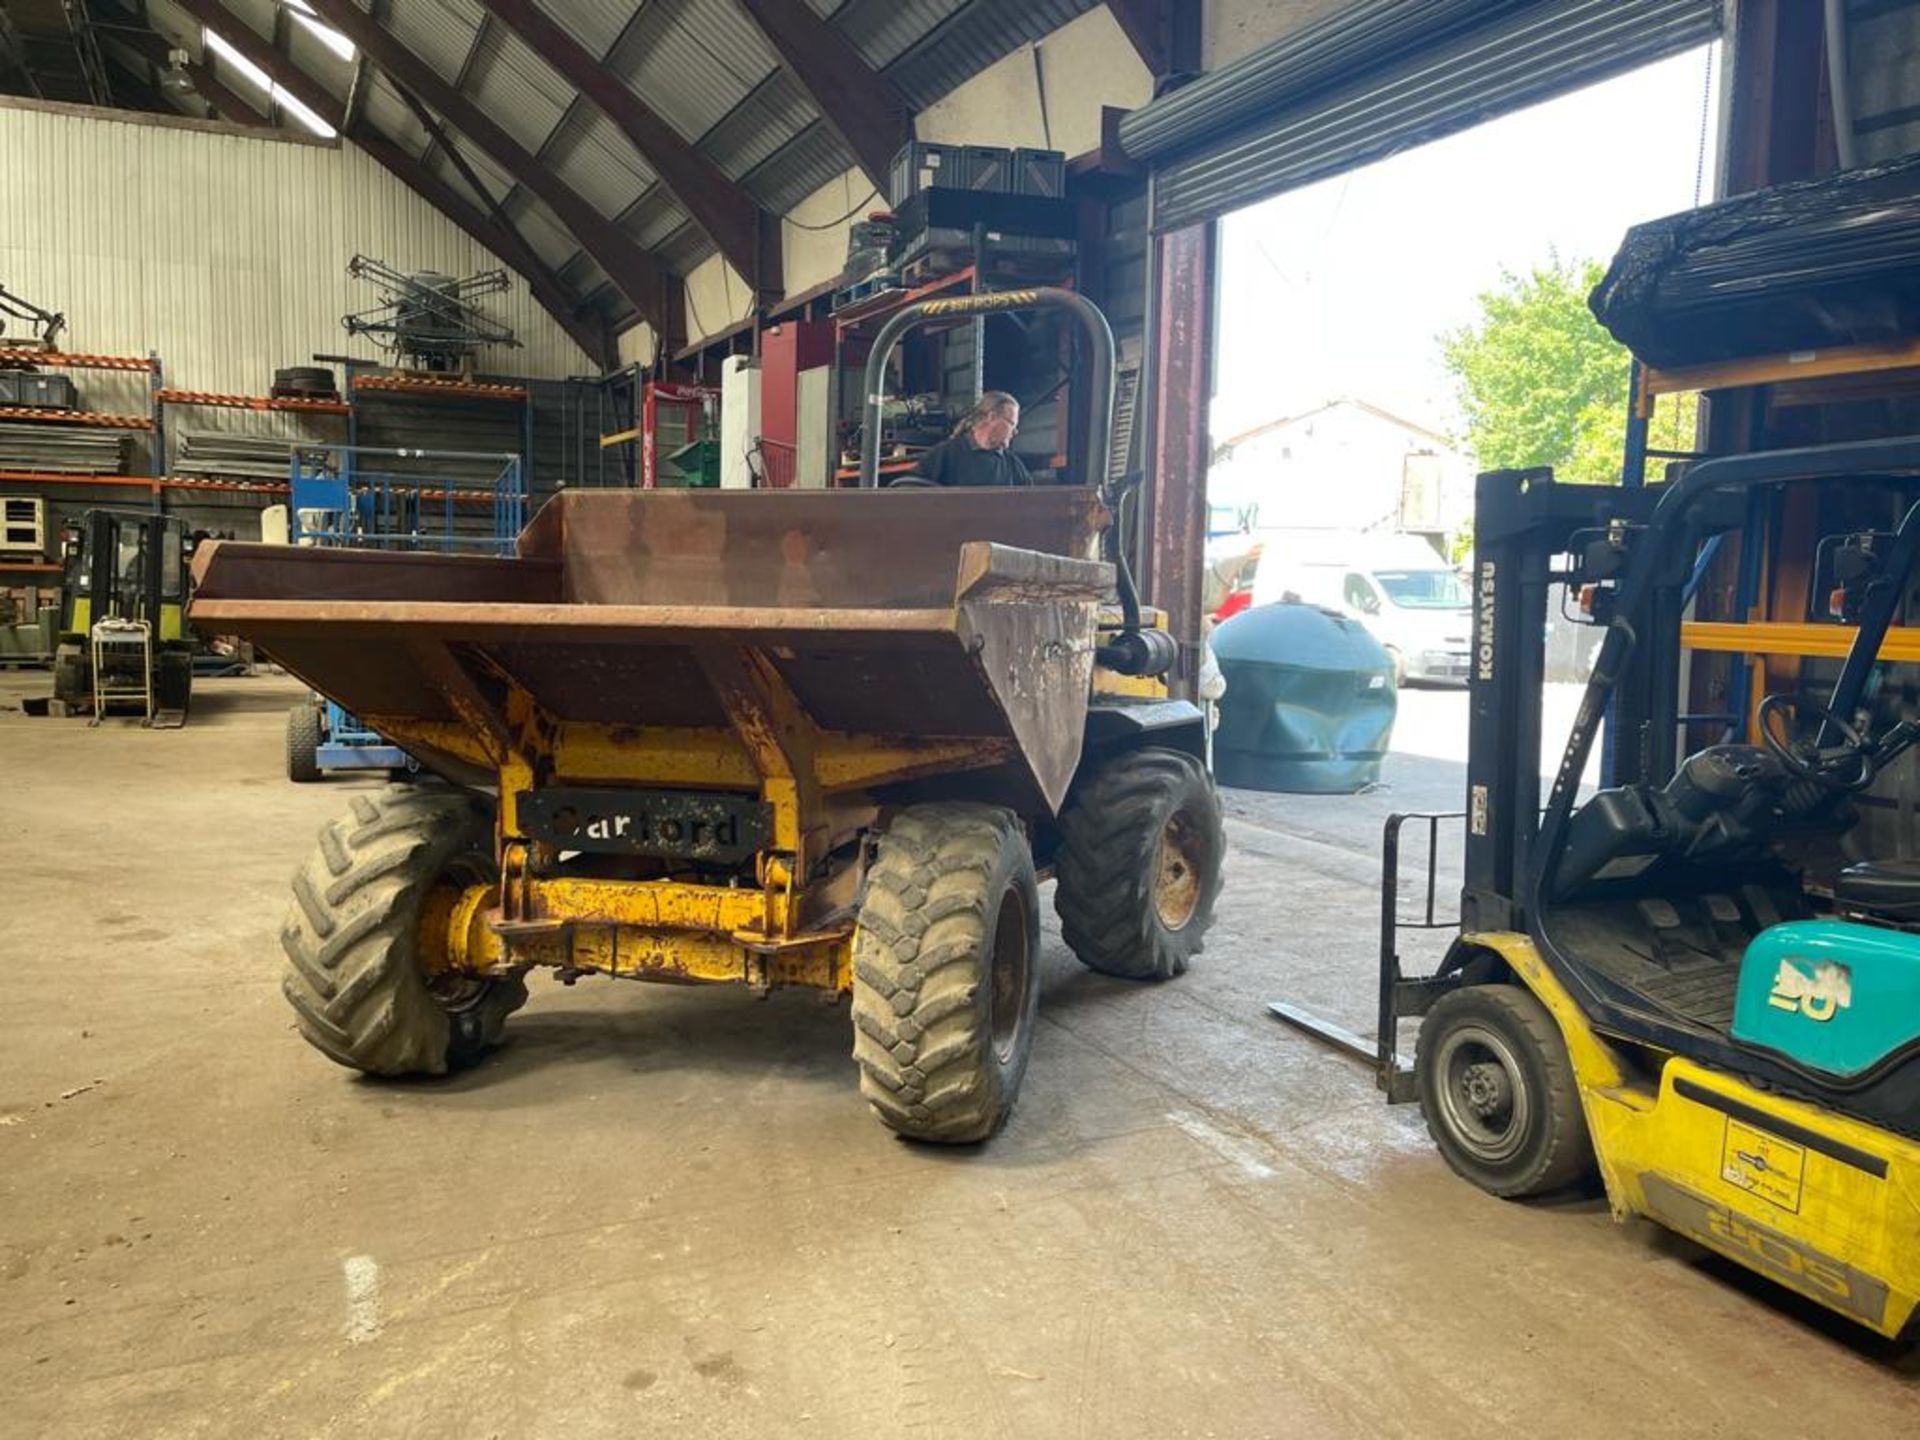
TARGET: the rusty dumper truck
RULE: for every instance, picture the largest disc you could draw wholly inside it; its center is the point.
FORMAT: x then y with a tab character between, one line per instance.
770	738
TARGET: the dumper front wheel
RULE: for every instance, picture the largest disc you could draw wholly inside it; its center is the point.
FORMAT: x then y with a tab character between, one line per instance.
353	936
1140	861
946	971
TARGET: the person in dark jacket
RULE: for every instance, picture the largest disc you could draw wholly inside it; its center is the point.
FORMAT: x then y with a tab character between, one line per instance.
979	453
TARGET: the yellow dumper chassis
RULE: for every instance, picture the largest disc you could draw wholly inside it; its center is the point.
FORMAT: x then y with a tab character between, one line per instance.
814	798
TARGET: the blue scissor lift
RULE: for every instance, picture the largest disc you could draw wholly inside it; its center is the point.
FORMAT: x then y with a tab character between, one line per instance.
382	499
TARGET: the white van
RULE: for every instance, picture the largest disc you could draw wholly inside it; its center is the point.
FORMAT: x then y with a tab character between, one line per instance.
1414	603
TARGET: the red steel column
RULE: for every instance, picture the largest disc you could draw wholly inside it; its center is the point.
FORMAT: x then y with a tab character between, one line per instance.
1173	504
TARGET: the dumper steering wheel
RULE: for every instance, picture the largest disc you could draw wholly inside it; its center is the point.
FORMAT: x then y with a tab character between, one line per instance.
1848	767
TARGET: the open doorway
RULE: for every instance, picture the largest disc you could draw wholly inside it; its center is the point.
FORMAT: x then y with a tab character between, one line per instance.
1387	333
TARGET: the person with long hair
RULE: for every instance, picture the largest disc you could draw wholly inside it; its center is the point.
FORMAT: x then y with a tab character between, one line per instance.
979	452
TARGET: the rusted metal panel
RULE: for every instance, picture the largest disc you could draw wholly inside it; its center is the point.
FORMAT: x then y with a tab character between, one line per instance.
235	568
876	550
783	619
1029	631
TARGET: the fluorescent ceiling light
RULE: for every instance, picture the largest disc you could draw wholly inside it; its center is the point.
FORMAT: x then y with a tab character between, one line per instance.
230	56
263	82
305	116
303	13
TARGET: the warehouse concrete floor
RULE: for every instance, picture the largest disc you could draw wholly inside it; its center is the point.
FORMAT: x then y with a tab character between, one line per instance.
666	1212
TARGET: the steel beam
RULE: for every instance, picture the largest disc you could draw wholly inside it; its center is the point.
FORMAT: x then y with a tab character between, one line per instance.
1180	386
1166	33
732	219
638	275
869	112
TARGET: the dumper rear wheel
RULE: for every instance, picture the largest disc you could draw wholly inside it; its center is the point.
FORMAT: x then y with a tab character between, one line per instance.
1140	861
354	976
946	971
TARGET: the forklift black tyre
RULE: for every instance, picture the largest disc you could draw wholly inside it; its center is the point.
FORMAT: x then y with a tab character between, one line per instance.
946	972
173	681
303	744
72	678
1140	864
353	977
1499	1094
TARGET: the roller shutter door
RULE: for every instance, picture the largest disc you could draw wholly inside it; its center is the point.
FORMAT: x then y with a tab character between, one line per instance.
1382	76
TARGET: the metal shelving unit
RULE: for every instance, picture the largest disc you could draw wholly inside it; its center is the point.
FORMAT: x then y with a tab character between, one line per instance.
150	423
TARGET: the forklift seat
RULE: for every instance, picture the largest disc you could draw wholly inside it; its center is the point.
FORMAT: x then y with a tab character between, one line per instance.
1887	889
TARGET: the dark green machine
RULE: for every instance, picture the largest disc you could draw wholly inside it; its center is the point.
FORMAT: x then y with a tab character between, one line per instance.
125	565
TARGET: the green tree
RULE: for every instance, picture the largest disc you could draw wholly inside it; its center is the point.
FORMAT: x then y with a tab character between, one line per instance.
1542	384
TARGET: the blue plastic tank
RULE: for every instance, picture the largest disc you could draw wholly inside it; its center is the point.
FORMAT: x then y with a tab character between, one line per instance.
1310	701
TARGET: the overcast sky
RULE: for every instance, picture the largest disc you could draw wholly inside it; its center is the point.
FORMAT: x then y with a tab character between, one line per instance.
1340	288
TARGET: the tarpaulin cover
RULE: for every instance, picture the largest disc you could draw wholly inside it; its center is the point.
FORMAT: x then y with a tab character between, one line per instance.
1804	266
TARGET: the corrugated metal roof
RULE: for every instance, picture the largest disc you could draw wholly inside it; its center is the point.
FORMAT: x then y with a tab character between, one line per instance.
776	111
309	53
969	42
883	29
653	217
683	250
518	90
591	154
497	180
812	158
440	32
596	24
692	61
388	114
702	65
541	229
258	15
580	274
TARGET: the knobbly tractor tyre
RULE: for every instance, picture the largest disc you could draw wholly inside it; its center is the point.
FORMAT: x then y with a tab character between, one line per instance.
303	744
1499	1094
1139	866
946	971
352	934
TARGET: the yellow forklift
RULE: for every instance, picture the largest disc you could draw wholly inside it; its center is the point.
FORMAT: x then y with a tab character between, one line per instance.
1702	979
123	606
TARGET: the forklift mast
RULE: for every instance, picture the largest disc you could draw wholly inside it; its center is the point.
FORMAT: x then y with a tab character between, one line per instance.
124	565
1531	532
